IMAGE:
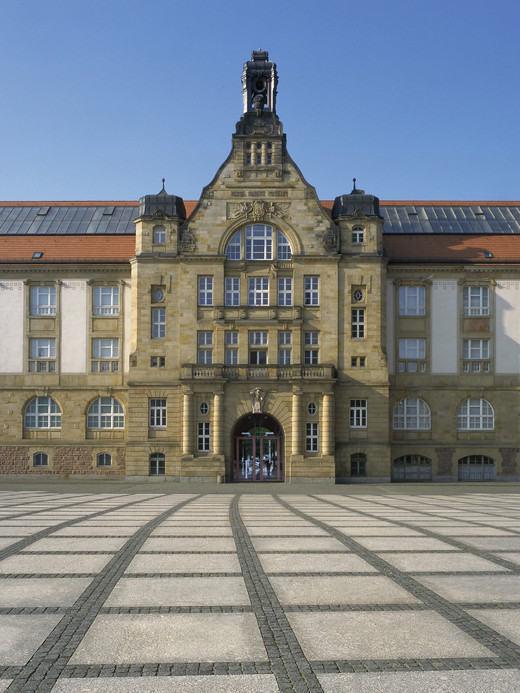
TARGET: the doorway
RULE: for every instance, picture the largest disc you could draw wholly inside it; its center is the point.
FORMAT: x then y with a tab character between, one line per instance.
258	449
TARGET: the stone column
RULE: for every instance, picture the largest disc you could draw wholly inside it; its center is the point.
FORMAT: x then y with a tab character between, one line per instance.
187	422
218	420
297	422
327	435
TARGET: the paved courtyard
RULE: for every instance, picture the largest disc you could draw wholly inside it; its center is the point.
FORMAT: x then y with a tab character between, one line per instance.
233	589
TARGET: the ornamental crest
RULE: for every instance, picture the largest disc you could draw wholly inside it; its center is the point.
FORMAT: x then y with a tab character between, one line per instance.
330	240
259	209
188	242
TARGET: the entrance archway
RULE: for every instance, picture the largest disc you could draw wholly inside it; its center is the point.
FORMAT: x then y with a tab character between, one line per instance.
258	449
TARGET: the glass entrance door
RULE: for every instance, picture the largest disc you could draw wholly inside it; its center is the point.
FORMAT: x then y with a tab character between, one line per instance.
258	451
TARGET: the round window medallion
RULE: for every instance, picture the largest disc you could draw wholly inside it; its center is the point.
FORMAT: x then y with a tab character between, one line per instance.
358	295
204	408
312	409
158	295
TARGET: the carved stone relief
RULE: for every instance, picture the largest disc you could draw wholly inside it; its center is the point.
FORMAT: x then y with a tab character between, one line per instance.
258	209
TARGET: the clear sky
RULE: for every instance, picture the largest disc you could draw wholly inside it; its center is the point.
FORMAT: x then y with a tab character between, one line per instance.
418	99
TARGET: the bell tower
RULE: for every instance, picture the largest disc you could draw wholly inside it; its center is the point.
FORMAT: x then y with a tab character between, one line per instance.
259	82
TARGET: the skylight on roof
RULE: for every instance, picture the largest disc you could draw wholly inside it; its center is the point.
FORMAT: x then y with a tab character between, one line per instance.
37	255
42	211
108	211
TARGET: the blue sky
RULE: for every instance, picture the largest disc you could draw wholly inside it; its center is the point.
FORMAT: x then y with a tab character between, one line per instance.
103	98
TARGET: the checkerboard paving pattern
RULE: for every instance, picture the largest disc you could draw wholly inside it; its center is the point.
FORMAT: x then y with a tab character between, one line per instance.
259	592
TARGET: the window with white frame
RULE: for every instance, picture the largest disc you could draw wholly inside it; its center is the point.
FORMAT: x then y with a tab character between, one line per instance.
231	348
412	355
475	354
42	412
203	436
158	412
105	354
40	459
358	464
311	352
283	247
258	294
205	348
43	300
104	459
105	412
412	414
358	323
42	355
105	300
158	323
358	413
257	348
312	442
311	292
475	300
157	464
475	414
232	291
259	242
234	247
284	348
285	291
159	234
412	300
358	234
205	291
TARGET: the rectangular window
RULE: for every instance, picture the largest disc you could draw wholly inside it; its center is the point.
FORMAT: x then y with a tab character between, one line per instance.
312	442
475	353
358	323
311	348
285	291
157	413
105	353
205	291
159	234
311	296
157	361
358	361
42	355
259	242
476	300
358	235
205	348
203	437
105	300
232	291
231	351
284	348
158	323
358	413
412	300
43	300
412	355
258	291
257	354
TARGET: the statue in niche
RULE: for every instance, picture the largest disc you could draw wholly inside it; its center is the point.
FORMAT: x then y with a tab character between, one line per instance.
257	400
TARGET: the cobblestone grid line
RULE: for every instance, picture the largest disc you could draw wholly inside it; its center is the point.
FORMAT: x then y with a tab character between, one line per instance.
48	662
508	652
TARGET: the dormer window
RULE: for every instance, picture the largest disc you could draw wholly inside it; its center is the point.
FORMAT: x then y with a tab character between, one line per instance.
159	234
358	234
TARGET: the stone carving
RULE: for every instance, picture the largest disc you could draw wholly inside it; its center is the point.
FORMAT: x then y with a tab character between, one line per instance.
330	240
188	242
258	209
257	400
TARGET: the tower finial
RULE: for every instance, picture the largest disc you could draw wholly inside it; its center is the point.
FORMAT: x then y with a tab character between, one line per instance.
354	189
163	182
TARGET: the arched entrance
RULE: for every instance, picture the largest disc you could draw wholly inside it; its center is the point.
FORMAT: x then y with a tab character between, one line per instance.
258	449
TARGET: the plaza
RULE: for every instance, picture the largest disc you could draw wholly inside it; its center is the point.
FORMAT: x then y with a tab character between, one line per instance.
143	588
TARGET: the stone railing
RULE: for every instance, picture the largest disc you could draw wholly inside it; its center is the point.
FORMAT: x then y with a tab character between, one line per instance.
192	371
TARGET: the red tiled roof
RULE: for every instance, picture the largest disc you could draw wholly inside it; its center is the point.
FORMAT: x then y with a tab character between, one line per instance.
452	248
67	249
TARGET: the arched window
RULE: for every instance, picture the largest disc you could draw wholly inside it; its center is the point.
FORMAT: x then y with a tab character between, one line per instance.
358	464
40	459
476	468
42	412
104	459
475	414
157	466
412	414
105	412
412	468
258	242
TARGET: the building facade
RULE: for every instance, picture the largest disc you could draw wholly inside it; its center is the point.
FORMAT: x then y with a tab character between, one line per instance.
261	334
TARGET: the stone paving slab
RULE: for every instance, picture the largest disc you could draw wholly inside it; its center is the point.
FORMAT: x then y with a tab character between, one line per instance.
84	544
354	636
184	563
22	635
123	638
176	531
495	681
189	544
297	544
495	544
404	544
441	562
182	591
475	588
504	621
41	592
255	683
54	563
314	563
